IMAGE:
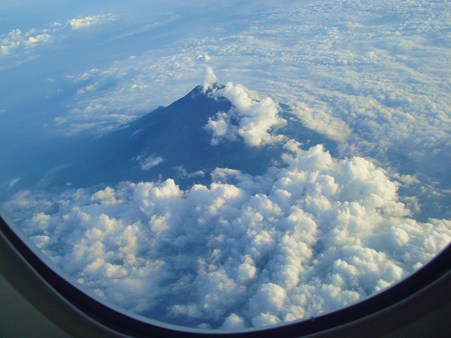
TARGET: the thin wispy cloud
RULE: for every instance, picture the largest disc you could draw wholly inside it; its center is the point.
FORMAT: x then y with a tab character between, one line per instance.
88	21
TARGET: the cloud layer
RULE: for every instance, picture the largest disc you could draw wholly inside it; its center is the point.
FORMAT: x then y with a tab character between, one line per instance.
376	84
17	45
303	239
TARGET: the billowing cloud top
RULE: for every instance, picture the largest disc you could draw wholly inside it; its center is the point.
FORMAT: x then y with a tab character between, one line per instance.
250	118
303	239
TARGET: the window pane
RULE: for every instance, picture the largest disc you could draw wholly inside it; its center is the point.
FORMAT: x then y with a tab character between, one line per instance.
232	165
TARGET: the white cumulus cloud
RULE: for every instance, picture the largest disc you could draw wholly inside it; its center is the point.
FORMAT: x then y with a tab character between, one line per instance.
250	118
305	238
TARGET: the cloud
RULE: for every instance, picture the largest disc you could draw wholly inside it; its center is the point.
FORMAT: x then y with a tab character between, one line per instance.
113	96
210	77
309	237
148	162
40	38
13	182
222	128
233	322
250	118
356	79
17	39
325	123
87	21
183	173
337	78
18	43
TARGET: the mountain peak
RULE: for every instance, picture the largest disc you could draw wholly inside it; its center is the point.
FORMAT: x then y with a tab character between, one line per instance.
206	90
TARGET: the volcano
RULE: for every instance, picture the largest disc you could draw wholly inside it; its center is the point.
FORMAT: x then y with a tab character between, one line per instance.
170	142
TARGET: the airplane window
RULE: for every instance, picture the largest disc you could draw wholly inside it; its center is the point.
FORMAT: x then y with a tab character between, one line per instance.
228	166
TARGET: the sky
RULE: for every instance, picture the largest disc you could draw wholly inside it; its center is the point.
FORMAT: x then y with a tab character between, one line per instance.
317	231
